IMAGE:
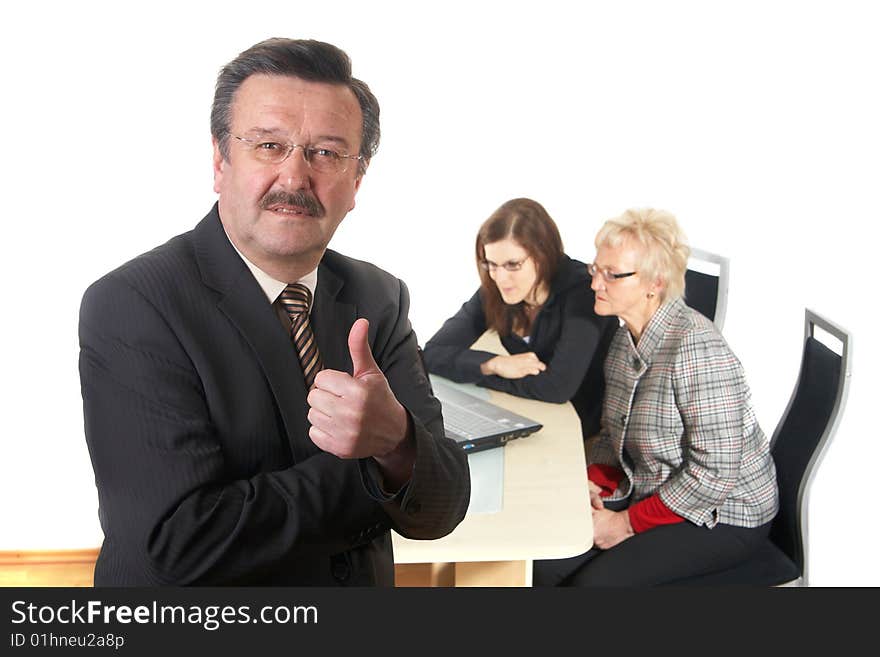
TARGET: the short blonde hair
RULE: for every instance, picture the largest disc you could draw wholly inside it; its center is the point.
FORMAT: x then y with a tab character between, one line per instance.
665	251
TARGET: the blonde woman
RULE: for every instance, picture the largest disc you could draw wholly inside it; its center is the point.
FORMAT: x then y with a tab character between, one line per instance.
681	478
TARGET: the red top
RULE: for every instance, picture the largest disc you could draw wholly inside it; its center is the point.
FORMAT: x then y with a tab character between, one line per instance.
643	515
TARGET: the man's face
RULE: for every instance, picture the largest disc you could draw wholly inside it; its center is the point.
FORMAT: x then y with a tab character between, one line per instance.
283	214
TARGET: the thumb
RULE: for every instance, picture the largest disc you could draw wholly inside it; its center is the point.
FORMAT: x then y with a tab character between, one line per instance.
362	361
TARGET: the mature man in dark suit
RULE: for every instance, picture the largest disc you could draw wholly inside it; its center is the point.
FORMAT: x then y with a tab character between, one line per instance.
227	448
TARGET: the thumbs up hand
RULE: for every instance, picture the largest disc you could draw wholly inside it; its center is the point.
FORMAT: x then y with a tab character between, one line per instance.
357	415
362	362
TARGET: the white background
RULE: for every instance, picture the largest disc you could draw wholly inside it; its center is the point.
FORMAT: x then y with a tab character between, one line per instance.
754	122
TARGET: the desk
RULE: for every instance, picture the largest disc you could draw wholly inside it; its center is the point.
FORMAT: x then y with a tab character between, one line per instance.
545	512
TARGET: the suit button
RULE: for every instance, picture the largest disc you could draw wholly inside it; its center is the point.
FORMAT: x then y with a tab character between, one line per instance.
339	567
623	419
636	363
413	507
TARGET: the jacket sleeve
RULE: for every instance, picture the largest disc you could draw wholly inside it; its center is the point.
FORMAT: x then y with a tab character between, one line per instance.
170	501
602	452
436	497
448	353
579	341
708	381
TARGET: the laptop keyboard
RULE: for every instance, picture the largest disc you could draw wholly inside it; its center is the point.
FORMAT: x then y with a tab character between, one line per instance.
466	423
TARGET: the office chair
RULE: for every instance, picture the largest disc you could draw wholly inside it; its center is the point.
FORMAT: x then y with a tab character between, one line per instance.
706	291
797	446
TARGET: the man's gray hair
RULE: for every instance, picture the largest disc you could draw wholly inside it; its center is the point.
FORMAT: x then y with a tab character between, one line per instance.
307	59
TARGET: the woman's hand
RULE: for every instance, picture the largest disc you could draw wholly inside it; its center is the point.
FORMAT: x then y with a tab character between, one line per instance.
610	528
595	495
513	367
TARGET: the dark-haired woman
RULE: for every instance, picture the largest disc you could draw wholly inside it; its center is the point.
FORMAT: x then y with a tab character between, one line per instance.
540	302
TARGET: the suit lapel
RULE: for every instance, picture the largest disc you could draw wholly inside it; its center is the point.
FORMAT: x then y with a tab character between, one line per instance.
331	320
246	306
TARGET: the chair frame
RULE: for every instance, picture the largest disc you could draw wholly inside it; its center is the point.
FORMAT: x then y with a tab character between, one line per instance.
811	321
723	281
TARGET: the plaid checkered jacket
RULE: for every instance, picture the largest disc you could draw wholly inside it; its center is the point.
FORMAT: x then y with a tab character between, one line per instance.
678	420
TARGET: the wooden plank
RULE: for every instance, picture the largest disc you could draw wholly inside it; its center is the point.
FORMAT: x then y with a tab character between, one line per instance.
493	573
48	567
424	574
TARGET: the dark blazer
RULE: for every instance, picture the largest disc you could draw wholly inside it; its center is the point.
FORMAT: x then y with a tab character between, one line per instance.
196	423
567	336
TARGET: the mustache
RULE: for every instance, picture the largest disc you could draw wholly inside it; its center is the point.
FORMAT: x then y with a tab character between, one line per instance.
298	198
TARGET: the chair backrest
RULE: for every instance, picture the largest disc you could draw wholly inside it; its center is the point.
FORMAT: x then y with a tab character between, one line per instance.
706	281
804	432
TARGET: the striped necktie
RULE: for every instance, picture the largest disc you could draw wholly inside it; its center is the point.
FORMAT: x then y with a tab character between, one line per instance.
296	299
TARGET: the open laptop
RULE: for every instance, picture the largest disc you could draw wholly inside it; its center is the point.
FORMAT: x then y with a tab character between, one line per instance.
477	424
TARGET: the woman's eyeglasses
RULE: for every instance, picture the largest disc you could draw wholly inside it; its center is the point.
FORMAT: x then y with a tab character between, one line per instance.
607	274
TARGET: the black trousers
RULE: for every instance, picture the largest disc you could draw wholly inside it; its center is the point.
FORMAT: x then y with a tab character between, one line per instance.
656	557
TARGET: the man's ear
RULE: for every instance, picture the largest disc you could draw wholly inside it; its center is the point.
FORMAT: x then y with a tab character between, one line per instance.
218	165
357	185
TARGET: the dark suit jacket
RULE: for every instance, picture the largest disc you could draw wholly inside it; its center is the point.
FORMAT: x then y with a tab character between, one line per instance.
196	423
567	336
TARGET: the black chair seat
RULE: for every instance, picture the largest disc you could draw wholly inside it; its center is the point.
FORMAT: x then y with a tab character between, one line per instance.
769	566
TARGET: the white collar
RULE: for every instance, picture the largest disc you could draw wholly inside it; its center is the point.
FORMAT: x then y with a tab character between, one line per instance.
272	288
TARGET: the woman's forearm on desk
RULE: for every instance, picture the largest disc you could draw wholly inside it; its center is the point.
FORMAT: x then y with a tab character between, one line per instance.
448	353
